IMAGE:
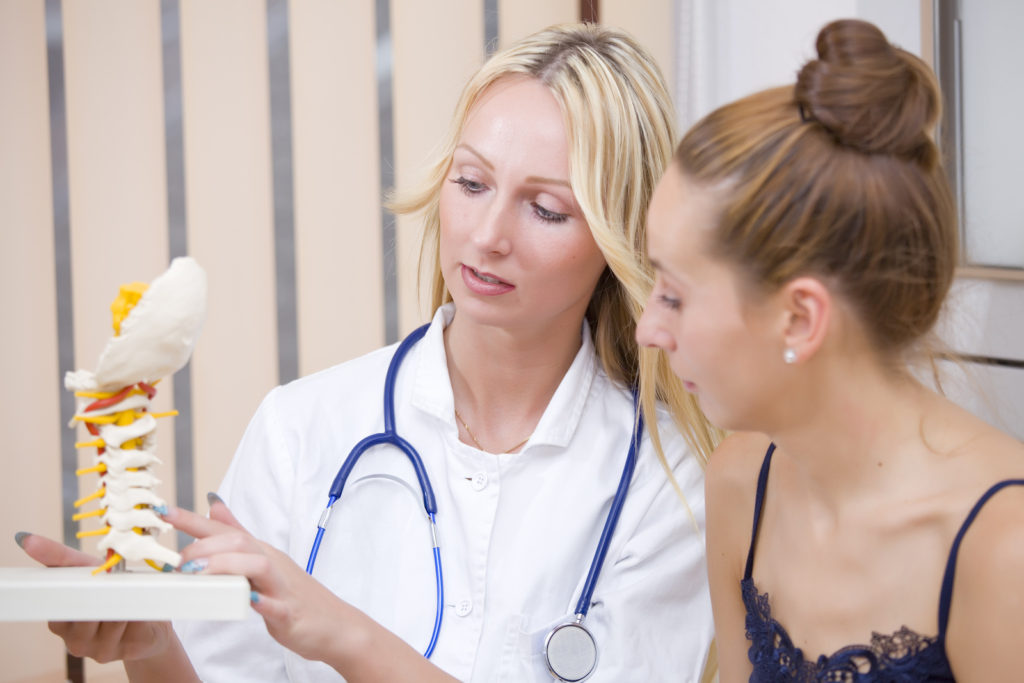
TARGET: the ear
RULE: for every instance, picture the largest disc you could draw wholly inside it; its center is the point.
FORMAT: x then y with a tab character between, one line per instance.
807	306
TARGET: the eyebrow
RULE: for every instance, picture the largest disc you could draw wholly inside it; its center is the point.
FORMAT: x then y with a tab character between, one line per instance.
540	180
477	154
534	179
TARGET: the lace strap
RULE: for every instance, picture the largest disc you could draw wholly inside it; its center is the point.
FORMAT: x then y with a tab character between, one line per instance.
762	482
946	595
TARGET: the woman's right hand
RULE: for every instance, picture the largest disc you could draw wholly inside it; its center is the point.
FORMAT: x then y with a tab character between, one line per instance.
104	641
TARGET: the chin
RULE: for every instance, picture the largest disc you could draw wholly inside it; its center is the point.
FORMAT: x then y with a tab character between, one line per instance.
481	312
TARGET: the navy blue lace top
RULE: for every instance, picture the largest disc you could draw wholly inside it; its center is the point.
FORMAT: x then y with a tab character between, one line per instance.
902	657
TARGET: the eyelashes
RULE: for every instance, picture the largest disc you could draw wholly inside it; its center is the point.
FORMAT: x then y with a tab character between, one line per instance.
469	187
669	302
549	216
472	188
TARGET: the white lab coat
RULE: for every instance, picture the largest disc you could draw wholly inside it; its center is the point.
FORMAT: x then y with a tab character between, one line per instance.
517	531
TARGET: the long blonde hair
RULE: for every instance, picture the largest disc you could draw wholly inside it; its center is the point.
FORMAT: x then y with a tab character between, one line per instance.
619	121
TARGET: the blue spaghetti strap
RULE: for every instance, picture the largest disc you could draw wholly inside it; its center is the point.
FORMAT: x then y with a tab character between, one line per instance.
946	596
762	482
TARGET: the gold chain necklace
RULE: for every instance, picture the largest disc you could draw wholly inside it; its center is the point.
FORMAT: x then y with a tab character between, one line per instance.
470	432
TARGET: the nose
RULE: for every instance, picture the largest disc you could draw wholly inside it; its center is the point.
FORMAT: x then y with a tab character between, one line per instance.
650	332
492	234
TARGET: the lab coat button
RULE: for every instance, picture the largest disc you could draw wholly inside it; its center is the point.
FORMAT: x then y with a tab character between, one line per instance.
479	481
464	607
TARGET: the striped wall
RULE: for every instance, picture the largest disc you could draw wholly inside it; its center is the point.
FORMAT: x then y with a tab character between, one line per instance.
258	138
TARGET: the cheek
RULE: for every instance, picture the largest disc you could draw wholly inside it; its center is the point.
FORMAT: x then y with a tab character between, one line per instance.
451	216
704	347
445	210
587	261
565	262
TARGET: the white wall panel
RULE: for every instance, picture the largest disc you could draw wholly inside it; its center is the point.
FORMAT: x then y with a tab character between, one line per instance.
985	318
993	210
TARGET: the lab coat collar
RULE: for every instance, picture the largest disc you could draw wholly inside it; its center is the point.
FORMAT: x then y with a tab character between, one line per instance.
432	389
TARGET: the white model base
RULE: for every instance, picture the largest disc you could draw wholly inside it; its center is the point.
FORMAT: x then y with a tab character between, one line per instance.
74	594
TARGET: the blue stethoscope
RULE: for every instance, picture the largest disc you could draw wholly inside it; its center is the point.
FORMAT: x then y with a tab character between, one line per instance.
570	650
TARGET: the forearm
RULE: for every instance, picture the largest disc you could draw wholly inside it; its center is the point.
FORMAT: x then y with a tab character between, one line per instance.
370	654
172	666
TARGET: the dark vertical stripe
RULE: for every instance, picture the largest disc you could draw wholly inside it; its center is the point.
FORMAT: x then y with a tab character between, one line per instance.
62	270
385	66
492	23
947	57
284	191
177	243
76	669
62	260
590	11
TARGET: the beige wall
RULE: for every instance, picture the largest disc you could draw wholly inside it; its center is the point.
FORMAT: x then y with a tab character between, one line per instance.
117	188
31	490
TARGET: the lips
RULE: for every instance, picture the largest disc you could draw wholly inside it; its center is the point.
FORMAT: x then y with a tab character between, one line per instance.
487	277
483	283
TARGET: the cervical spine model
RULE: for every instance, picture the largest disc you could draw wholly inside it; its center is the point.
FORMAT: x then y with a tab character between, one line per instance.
155	330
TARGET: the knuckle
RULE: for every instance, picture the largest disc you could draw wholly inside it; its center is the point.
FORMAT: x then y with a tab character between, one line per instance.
262	564
238	542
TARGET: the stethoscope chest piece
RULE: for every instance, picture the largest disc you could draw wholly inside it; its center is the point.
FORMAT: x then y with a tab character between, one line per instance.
570	652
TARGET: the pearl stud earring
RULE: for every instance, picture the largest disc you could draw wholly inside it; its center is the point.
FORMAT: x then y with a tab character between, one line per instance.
789	355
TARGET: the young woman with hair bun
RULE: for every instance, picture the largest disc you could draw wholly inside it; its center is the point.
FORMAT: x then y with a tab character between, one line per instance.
863	528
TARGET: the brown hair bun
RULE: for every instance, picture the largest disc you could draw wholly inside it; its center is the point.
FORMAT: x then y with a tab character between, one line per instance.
869	94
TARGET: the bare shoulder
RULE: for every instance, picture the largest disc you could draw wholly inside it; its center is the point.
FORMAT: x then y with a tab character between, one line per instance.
986	619
994	540
730	488
734	465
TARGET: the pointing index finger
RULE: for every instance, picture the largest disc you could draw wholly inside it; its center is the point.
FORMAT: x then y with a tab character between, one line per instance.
193	524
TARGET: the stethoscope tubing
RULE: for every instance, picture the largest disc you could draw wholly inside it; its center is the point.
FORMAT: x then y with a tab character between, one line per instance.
390	437
583	605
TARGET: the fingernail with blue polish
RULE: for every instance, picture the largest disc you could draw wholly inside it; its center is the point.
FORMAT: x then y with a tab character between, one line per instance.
254	597
20	537
160	510
212	498
194	566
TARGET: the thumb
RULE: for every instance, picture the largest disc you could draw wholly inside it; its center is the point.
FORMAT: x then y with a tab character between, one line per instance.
50	553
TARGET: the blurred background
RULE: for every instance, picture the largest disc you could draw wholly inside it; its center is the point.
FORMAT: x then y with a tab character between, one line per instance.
259	137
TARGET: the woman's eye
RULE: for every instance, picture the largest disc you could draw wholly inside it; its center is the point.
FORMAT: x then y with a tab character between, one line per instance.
669	302
549	216
468	186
